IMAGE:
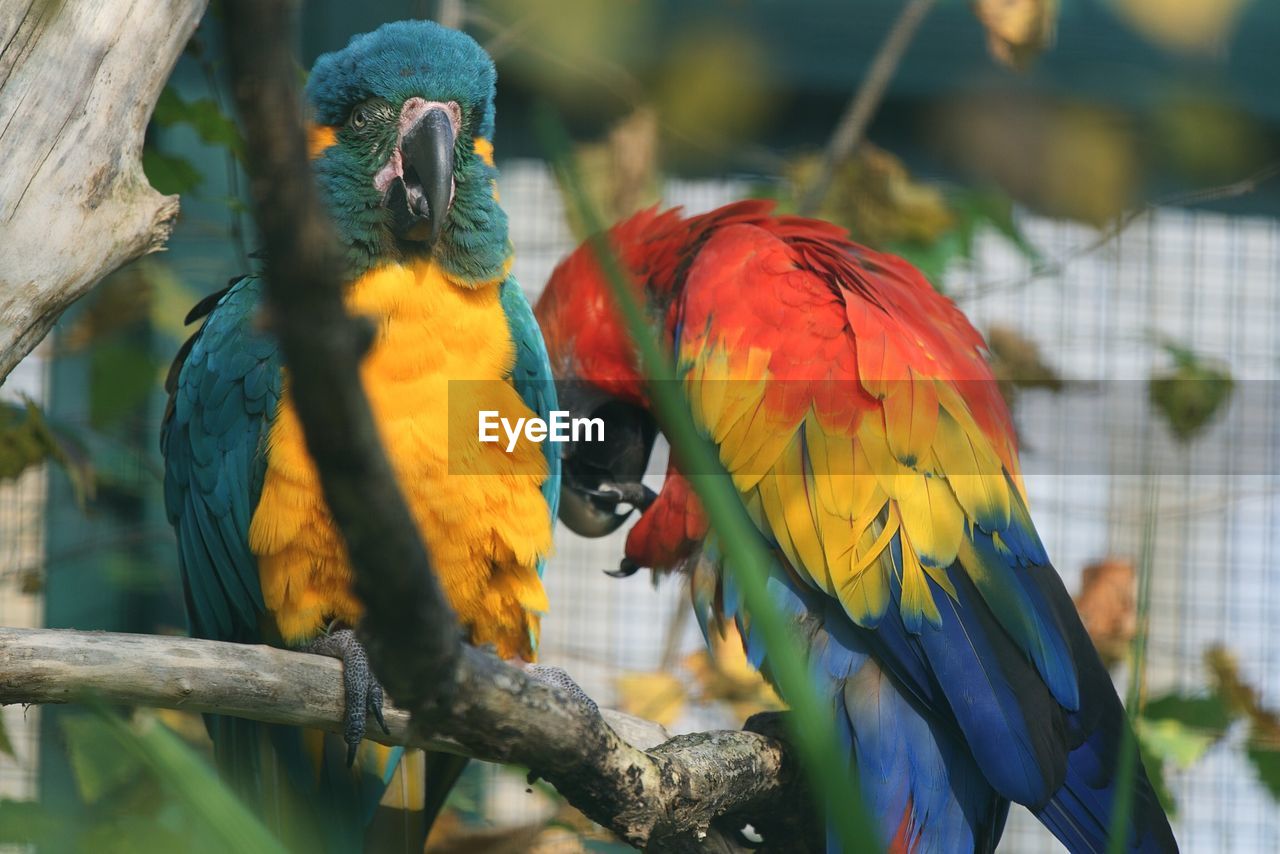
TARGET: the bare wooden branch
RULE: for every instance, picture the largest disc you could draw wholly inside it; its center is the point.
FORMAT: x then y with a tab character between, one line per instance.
78	83
261	683
621	770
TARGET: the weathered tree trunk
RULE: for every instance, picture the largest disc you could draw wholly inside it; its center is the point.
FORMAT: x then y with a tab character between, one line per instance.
78	83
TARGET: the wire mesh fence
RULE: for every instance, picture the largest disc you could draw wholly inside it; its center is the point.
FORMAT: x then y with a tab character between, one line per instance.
22	504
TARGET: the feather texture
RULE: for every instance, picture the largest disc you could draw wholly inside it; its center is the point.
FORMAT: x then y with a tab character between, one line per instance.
853	407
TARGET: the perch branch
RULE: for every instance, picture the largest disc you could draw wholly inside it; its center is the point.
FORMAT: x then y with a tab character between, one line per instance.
666	797
649	779
78	83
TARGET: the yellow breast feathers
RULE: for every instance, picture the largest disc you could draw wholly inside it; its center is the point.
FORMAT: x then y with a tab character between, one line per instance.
478	507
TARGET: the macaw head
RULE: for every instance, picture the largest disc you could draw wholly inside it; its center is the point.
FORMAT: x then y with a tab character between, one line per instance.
402	149
597	368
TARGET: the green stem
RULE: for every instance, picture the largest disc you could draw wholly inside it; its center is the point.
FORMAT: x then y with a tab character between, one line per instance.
1127	764
810	721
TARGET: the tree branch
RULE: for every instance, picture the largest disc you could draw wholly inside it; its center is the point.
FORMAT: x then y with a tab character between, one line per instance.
664	798
78	83
660	791
857	115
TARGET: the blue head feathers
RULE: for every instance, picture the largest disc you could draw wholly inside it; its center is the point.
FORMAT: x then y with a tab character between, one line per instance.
402	176
402	60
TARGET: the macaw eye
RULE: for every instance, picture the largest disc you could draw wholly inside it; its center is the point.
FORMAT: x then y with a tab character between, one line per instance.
359	117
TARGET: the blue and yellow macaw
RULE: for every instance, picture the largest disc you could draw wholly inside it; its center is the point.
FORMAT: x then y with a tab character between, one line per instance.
853	408
401	148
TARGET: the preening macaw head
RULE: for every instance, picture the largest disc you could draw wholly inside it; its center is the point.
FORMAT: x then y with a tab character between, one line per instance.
402	148
596	366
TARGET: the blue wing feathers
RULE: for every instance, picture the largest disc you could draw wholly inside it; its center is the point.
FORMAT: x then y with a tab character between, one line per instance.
910	761
225	389
532	378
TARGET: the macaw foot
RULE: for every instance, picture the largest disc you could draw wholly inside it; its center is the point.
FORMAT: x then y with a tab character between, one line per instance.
362	691
552	675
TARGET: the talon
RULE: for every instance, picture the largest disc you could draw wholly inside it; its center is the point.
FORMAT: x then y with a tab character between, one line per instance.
361	692
375	706
626	568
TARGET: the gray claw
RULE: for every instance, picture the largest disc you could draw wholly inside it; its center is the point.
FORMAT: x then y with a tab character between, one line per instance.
626	568
361	690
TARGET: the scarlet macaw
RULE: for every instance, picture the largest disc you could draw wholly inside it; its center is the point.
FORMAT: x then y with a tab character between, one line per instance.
852	406
401	148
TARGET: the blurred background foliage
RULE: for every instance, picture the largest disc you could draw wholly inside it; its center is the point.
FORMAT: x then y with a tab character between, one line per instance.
1087	110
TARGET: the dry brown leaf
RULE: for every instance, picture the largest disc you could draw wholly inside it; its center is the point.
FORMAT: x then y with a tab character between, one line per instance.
723	674
655	696
620	173
1016	363
874	196
1242	697
1108	606
1017	30
713	91
1065	159
1189	26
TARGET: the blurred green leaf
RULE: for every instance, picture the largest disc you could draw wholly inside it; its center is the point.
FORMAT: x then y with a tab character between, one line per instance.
1154	765
122	375
1267	763
29	823
99	762
1174	741
125	571
1190	394
202	115
170	174
977	208
6	746
1205	712
133	833
185	776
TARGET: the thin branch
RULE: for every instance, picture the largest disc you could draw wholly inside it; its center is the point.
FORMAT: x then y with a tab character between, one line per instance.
857	115
665	795
1055	267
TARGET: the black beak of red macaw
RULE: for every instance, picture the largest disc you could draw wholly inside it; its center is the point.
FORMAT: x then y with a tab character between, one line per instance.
418	197
600	477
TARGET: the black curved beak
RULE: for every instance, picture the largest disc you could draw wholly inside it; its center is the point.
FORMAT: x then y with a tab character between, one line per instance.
419	200
601	479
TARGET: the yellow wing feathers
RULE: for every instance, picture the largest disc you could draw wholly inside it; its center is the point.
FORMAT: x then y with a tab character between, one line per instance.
912	466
